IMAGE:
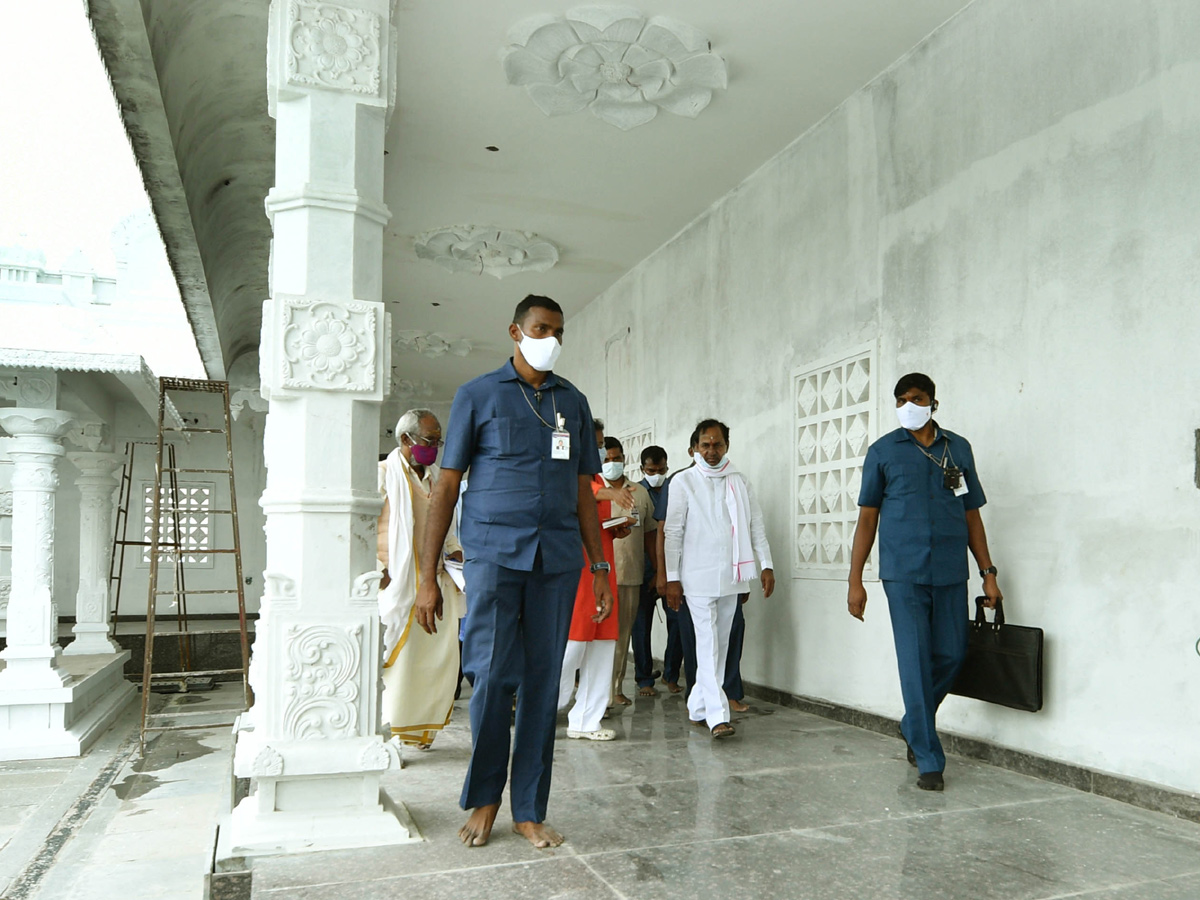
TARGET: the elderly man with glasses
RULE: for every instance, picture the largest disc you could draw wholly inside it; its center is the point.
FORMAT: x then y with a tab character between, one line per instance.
420	673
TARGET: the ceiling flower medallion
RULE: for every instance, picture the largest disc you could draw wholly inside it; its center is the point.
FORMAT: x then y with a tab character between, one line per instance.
480	249
615	61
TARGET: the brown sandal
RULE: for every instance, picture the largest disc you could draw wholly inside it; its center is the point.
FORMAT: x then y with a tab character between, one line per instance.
723	730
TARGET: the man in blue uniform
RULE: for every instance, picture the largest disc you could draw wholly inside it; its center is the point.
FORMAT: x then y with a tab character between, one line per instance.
526	436
921	492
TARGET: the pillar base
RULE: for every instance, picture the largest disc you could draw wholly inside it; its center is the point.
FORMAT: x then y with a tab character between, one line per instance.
64	721
91	640
250	832
29	669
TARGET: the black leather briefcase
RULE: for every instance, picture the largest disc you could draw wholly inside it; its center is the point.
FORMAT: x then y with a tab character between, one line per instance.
1003	664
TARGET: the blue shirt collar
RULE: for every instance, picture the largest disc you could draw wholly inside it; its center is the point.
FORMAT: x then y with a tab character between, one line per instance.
508	372
903	434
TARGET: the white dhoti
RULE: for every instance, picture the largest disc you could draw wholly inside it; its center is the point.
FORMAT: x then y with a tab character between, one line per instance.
594	662
712	620
420	671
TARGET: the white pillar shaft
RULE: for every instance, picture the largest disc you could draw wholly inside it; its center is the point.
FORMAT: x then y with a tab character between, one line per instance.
96	485
315	751
32	652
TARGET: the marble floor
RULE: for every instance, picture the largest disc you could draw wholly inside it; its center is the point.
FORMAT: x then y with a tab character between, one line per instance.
794	806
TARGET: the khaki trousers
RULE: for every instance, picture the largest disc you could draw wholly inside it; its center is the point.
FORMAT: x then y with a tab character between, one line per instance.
628	597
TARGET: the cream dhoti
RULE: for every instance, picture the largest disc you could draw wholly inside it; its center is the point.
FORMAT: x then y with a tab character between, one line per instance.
420	671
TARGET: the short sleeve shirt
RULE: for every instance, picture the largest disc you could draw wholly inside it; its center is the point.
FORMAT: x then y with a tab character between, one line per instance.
922	524
631	551
520	500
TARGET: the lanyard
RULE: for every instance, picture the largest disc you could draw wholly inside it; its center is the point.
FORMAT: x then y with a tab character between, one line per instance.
553	400
941	464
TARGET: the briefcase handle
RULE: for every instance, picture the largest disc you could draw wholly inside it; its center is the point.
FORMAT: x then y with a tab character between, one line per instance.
981	617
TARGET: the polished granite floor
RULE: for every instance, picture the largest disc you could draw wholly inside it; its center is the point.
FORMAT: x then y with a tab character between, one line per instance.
794	806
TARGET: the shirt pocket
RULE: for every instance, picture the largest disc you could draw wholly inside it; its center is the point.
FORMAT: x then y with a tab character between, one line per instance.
512	437
904	479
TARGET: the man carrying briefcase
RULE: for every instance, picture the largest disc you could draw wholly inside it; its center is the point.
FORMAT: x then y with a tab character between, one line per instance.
921	492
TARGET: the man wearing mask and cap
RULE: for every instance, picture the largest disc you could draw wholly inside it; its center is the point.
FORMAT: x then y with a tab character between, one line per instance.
420	671
714	541
921	492
527	515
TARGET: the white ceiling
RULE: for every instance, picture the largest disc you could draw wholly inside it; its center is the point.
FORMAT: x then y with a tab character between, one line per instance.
607	198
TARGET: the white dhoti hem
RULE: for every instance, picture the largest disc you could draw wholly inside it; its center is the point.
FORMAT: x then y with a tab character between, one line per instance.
712	620
594	662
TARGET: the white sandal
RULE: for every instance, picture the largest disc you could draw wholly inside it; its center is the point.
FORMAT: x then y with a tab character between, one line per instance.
600	734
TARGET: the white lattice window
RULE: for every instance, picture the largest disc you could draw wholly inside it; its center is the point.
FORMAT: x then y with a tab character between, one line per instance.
634	442
834	406
194	517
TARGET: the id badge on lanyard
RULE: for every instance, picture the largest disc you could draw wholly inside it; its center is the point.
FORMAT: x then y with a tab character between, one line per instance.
560	440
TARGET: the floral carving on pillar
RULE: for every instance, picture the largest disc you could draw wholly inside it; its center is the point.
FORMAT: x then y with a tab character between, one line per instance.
5	593
332	46
320	684
268	763
486	249
616	62
6	500
329	346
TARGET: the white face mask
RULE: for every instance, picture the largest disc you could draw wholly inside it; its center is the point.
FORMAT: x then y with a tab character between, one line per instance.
914	417
655	481
541	353
701	461
612	470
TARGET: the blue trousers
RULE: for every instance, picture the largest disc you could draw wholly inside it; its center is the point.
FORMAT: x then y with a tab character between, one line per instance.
643	656
929	626
733	662
515	634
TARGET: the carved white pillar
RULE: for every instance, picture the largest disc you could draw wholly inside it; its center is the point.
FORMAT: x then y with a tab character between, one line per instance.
31	657
312	741
96	485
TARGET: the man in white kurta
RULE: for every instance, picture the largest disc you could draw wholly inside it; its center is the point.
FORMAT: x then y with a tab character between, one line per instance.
420	671
714	543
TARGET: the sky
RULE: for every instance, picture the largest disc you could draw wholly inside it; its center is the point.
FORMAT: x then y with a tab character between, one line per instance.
67	173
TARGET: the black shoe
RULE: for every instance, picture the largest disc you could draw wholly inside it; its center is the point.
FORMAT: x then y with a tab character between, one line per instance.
931	781
912	759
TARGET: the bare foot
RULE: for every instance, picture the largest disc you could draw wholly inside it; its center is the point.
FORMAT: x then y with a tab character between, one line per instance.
739	706
539	834
479	826
622	700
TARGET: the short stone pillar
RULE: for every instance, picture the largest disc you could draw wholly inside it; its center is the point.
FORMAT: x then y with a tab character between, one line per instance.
31	657
96	485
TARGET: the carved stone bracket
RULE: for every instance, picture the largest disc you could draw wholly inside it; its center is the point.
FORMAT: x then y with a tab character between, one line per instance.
322	345
336	47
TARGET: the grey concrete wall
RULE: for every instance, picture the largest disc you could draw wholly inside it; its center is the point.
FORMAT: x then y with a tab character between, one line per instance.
1011	208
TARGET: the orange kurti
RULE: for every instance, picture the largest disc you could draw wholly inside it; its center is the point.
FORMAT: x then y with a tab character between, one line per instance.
582	626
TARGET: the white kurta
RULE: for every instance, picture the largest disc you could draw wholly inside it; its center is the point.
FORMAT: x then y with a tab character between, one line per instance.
698	535
698	546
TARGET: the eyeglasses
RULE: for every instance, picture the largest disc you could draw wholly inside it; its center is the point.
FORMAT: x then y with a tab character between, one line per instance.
427	442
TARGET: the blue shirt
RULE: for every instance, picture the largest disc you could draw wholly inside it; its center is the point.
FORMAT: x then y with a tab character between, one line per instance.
655	493
922	525
518	498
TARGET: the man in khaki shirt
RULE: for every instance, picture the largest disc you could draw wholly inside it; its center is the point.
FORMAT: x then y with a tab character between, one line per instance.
631	559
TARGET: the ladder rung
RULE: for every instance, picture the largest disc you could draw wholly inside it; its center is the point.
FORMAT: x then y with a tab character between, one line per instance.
174	469
197	674
176	593
191	631
193	510
193	551
198	430
190	713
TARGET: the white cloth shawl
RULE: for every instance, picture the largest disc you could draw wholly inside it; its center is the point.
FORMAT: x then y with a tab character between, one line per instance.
396	600
737	501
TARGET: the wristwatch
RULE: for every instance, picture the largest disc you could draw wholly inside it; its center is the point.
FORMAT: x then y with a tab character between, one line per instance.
600	567
990	570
